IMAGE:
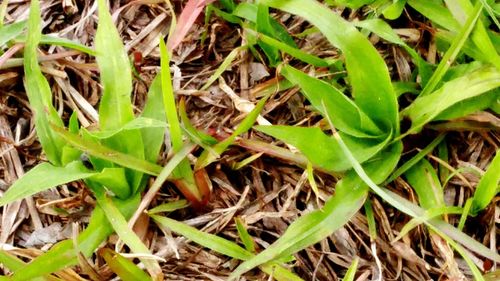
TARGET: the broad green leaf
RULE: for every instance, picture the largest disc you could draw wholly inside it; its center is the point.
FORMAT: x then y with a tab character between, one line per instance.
353	4
424	180
329	156
436	12
367	72
115	108
488	186
43	177
395	10
115	180
124	268
153	137
346	115
208	157
425	109
38	91
103	152
263	25
119	224
11	31
210	241
64	254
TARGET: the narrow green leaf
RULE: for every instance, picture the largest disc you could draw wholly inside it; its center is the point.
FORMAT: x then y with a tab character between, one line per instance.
424	180
351	271
136	123
488	186
207	157
119	224
13	263
11	31
100	151
43	177
367	71
224	65
115	109
153	137
426	108
64	254
169	207
210	241
329	157
123	267
245	237
183	171
38	91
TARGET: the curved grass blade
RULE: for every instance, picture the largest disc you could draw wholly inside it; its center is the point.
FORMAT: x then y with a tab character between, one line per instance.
119	224
425	108
11	31
321	149
488	186
347	117
13	263
100	151
153	137
64	254
368	74
43	177
208	157
351	272
38	91
123	267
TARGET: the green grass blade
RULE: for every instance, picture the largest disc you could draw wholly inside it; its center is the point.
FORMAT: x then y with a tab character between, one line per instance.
64	254
368	74
488	186
183	171
348	117
224	65
169	207
13	263
436	12
208	157
153	137
425	108
38	91
245	237
123	267
43	177
115	180
420	155
210	241
351	271
452	52
424	180
330	158
137	123
100	151
115	108
11	31
57	41
119	224
297	53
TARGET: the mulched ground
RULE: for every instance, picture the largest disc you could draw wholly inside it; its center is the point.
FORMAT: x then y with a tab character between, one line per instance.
269	194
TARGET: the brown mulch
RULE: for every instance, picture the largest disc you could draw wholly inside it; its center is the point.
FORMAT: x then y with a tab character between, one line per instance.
268	194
